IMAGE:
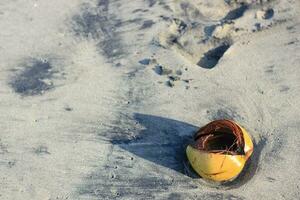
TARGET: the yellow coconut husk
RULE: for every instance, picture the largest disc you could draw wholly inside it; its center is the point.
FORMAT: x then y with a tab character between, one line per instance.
221	164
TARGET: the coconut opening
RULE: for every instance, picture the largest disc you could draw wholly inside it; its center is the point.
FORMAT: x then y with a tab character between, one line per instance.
221	136
221	141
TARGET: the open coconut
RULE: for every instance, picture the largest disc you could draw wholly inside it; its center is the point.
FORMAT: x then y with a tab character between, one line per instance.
220	150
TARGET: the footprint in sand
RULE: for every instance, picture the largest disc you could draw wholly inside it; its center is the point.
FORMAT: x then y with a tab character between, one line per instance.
204	43
211	58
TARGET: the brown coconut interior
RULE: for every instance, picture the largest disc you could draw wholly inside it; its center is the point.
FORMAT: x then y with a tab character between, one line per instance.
222	136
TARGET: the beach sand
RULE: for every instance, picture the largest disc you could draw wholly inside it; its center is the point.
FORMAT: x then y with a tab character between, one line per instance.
100	97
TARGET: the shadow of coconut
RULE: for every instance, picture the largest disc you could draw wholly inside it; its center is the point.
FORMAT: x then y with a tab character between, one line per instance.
163	141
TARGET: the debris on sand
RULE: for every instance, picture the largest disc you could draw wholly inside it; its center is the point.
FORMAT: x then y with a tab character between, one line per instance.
265	14
220	150
160	70
170	83
174	78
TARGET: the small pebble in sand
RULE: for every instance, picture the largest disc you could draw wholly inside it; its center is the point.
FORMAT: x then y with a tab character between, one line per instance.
147	24
68	109
41	150
257	26
118	65
179	72
145	61
148	61
160	70
170	83
174	78
11	164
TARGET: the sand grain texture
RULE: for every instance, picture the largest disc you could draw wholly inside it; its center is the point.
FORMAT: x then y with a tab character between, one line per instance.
99	97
